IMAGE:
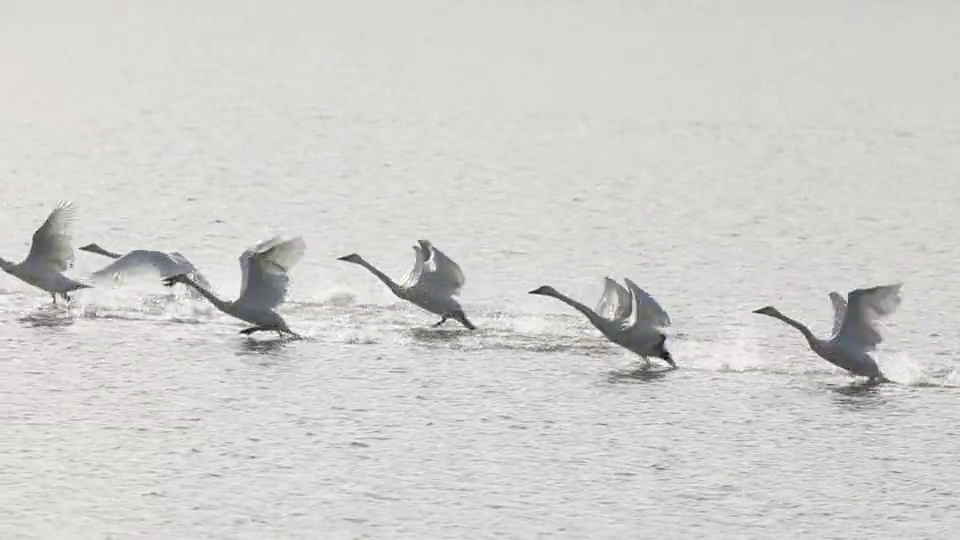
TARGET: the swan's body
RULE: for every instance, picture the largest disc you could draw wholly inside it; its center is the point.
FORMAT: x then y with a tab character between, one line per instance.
433	284
141	261
50	255
630	318
855	335
265	284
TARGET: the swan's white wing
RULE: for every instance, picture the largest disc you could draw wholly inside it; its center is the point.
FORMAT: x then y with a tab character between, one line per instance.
51	243
615	303
440	273
265	267
839	311
864	308
411	278
649	312
143	262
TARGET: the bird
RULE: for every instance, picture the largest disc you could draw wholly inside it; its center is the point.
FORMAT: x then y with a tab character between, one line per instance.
141	261
856	335
631	319
433	284
50	255
265	268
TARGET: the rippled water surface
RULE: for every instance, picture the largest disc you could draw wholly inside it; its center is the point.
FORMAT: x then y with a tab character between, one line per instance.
723	157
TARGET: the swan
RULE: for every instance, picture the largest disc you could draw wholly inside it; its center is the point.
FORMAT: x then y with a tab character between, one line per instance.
50	255
433	284
635	328
141	261
265	283
856	334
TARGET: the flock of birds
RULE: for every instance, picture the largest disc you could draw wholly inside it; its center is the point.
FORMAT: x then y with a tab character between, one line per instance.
627	316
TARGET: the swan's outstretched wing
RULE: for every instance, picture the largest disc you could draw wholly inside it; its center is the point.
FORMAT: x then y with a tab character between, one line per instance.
839	311
864	307
411	278
144	262
440	273
265	267
51	243
616	303
649	312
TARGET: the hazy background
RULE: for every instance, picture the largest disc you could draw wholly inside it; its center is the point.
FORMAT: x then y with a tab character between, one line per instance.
723	155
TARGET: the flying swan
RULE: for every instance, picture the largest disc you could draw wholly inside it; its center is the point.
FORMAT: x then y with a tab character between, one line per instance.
50	255
630	319
854	333
433	284
265	283
141	261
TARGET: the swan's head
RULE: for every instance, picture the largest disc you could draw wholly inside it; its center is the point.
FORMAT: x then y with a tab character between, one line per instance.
545	290
770	311
92	248
173	280
351	258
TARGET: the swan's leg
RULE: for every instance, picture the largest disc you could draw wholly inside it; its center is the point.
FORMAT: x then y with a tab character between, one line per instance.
443	319
54	295
66	297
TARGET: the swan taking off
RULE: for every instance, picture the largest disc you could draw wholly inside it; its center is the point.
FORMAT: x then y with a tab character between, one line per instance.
630	319
141	261
433	284
856	334
50	255
265	283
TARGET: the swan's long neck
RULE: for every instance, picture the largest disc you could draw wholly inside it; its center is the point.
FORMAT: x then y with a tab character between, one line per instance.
397	290
100	251
5	265
222	305
798	325
597	320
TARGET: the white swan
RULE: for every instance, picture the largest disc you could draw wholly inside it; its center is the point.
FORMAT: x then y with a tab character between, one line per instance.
856	335
629	319
265	283
50	255
432	284
141	261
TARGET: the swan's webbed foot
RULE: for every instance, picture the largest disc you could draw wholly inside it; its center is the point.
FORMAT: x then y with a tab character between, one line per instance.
462	318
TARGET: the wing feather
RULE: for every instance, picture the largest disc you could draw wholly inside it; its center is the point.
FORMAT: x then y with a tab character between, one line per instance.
440	273
649	311
839	311
51	243
616	303
864	308
265	267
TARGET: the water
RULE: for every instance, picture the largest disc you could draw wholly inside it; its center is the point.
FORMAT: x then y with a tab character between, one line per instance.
725	158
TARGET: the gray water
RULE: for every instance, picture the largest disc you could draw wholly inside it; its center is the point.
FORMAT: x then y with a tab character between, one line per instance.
724	156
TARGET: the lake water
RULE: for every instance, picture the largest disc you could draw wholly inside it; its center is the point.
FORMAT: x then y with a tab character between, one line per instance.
723	156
